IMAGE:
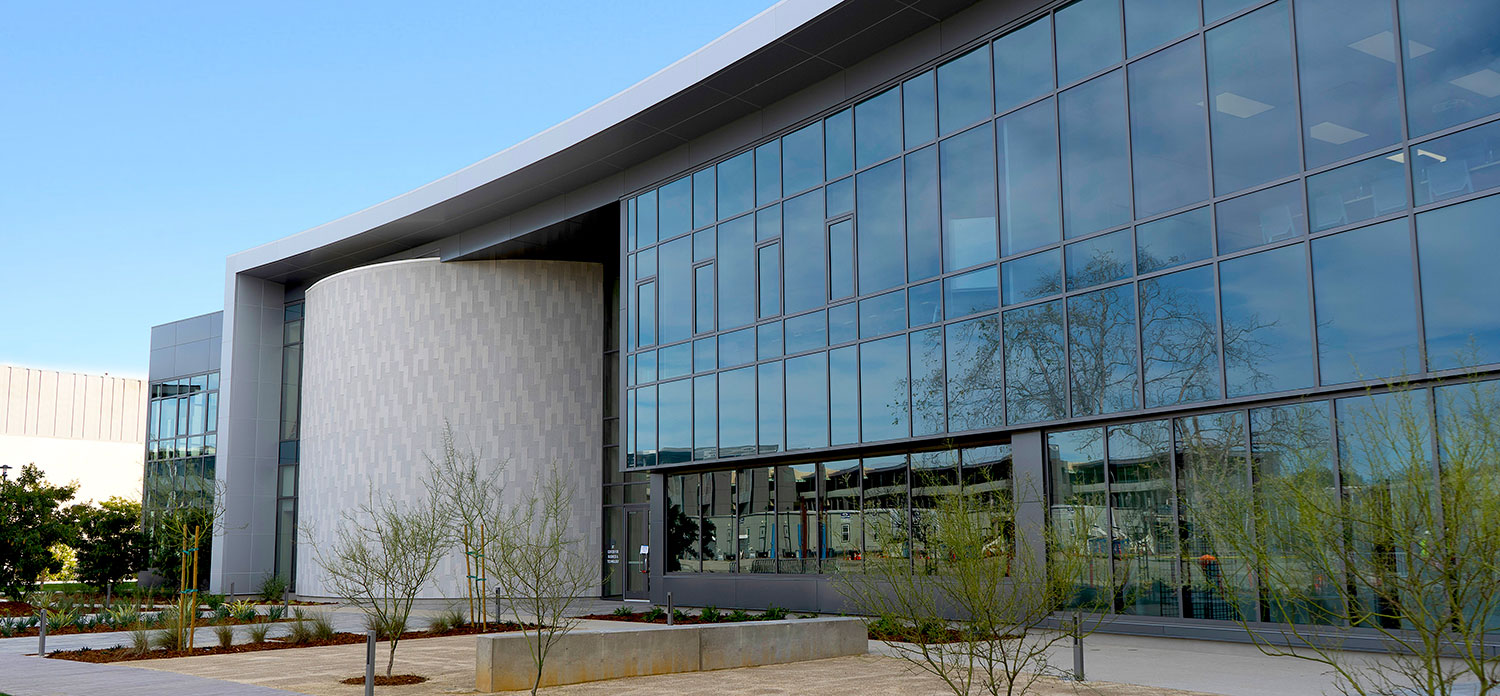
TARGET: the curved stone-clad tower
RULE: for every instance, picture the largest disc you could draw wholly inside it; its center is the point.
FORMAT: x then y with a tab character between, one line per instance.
508	352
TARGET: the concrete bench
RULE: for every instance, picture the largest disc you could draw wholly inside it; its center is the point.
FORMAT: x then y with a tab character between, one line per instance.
505	663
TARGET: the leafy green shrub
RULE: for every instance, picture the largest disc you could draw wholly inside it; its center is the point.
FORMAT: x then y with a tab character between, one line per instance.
710	614
167	639
222	613
624	611
275	612
773	613
738	615
214	601
450	620
272	587
9	627
140	641
679	616
225	634
321	626
654	614
258	632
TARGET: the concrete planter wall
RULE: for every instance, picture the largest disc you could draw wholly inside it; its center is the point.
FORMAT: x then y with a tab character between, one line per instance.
504	661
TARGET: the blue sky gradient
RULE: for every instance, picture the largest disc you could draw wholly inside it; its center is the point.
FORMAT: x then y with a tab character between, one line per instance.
142	143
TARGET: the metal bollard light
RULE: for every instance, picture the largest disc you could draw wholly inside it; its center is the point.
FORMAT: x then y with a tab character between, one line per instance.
370	663
670	612
41	633
1077	649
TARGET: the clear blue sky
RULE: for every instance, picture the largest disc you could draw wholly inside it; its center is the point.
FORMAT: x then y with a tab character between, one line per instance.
143	142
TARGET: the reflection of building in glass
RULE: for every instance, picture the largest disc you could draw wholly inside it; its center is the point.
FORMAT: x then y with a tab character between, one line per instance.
1092	260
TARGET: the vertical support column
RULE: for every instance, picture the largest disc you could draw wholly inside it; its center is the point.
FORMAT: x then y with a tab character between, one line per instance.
656	519
1029	472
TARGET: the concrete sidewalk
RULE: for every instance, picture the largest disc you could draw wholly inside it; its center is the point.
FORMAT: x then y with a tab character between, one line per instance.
34	676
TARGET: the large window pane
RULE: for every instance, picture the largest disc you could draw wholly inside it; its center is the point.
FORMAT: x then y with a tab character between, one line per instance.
768	172
806	332
1023	64
737	415
883	397
971	293
924	247
1212	467
882	314
705	417
1347	70
806	255
1143	518
757	520
968	195
838	144
963	87
1366	304
645	426
1088	38
770	280
675	361
1250	84
675	205
843	395
769	403
974	369
682	523
807	401
878	192
737	348
1095	156
675	406
1168	138
1035	366
737	272
675	279
842	530
1182	238
704	208
1451	75
1080	510
1266	216
736	185
927	389
1457	247
924	303
646	216
797	518
1099	260
1267	338
877	128
919	109
1027	154
1458	164
1180	337
802	159
1151	23
1292	450
1359	191
1102	350
1031	277
887	539
719	499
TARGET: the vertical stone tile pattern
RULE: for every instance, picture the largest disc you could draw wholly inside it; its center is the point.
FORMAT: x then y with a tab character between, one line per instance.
508	352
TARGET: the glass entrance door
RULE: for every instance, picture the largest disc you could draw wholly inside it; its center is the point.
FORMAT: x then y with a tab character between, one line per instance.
637	550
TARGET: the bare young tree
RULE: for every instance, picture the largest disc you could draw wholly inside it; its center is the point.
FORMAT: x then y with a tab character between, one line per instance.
1405	551
975	617
382	554
470	498
540	565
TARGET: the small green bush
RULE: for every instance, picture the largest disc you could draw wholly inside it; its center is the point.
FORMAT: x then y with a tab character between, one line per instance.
167	639
322	626
272	587
258	632
624	611
275	612
214	601
710	614
654	614
679	616
773	613
738	615
140	641
243	610
225	634
450	620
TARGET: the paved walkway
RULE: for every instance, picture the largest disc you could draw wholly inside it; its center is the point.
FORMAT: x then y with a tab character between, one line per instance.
34	676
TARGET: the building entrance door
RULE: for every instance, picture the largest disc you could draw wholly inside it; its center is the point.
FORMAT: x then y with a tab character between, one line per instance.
637	550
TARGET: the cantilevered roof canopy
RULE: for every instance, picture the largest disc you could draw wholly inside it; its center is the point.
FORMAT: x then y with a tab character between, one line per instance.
792	45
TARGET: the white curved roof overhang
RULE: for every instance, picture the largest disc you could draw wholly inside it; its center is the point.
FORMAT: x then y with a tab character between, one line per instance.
782	50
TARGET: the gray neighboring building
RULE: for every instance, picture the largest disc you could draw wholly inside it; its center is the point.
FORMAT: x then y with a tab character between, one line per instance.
852	254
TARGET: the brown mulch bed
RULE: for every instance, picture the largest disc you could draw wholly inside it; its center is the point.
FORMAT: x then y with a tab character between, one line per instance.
73	630
124	654
9	608
382	680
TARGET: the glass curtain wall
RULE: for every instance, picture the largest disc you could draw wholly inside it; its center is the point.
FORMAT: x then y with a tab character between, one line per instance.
1116	206
181	449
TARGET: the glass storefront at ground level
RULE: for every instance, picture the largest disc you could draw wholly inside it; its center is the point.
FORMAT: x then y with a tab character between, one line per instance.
1110	208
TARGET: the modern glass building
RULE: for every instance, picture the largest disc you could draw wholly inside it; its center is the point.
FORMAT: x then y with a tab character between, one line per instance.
853	256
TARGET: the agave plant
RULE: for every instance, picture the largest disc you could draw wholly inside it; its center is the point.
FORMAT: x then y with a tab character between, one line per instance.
123	615
242	610
9	627
59	619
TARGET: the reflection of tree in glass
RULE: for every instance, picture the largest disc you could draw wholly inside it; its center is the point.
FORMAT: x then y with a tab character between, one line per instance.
682	535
